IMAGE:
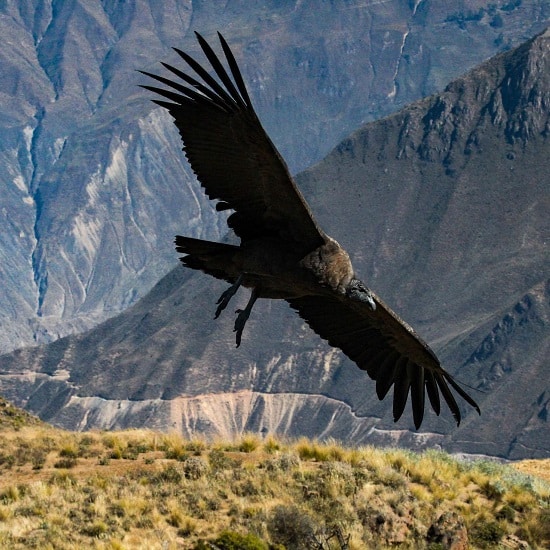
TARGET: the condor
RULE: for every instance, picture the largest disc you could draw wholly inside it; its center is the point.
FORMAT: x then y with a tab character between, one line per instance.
283	253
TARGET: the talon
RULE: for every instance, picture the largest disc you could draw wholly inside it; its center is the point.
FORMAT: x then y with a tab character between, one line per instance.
240	322
226	296
242	317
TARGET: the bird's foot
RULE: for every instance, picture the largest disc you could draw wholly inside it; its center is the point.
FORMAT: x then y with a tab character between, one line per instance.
226	296
240	322
243	315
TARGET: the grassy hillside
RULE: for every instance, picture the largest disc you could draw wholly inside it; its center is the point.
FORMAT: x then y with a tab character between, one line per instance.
139	489
14	418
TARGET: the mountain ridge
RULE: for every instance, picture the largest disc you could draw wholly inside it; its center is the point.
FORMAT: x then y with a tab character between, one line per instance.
88	208
439	243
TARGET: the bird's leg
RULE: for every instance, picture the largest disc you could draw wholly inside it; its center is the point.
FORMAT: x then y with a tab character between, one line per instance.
224	299
243	315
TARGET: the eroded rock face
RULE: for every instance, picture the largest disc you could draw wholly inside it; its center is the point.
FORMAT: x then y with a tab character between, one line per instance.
514	543
444	216
450	531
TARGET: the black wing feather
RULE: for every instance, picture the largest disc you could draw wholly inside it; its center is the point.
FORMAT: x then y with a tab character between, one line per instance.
396	355
220	71
418	396
205	90
449	398
188	92
218	90
403	380
433	394
168	94
235	71
460	391
386	372
232	155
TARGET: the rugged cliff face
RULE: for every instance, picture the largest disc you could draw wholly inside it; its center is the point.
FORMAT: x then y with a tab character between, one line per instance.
93	182
443	207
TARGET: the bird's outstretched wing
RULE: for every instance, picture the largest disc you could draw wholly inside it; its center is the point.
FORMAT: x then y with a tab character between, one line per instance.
231	154
387	348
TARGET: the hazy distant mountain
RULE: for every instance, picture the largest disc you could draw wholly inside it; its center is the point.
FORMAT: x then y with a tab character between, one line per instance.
444	208
93	183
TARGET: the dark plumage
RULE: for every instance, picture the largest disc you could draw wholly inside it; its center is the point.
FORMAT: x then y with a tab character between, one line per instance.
283	253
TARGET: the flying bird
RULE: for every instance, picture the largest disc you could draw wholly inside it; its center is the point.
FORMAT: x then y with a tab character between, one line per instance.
283	253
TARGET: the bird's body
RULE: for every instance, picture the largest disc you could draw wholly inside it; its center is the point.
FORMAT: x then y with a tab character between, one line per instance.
269	266
283	253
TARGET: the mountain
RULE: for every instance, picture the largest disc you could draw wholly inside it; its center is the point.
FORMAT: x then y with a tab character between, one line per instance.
443	207
93	182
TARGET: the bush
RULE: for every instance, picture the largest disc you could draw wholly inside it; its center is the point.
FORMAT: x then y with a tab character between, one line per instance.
220	461
116	453
195	468
7	460
283	462
62	479
292	527
69	451
170	474
66	463
493	490
249	443
176	453
96	530
487	534
187	527
196	446
9	494
271	444
38	459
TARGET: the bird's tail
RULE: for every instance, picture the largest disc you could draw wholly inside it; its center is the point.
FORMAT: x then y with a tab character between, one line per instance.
210	257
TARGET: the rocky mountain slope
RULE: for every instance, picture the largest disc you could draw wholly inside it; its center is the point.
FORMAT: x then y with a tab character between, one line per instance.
444	208
92	179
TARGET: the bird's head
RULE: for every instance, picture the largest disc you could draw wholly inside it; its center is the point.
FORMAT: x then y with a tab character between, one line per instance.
357	291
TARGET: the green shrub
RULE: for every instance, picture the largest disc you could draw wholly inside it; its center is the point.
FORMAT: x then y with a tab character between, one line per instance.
195	467
9	494
292	527
486	534
249	443
170	474
7	460
176	453
38	459
66	463
229	540
116	453
69	451
96	530
218	460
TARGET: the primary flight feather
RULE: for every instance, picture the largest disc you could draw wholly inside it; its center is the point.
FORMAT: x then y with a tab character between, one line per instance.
283	253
